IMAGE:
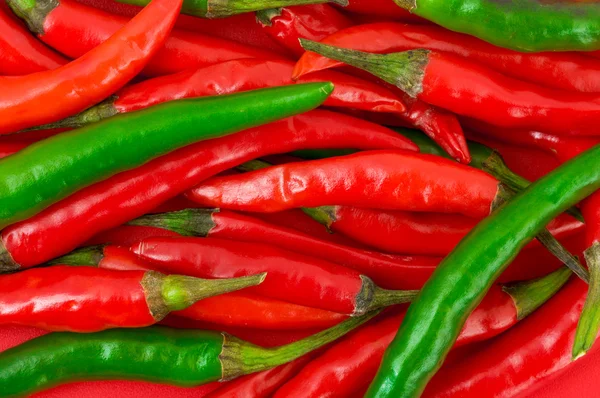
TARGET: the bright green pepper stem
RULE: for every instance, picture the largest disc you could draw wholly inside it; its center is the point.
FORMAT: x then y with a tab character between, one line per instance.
240	357
226	8
187	222
54	168
102	111
524	25
405	70
528	296
589	321
177	292
89	256
437	315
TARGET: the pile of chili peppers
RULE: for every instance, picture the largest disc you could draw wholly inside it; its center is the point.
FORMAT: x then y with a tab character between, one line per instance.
297	198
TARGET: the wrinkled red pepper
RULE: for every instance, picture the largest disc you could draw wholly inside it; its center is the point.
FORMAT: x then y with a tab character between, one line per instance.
182	50
21	53
314	22
567	71
67	224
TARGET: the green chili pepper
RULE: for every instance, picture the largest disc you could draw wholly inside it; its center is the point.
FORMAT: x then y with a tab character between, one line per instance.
437	315
226	8
54	168
522	25
482	157
158	354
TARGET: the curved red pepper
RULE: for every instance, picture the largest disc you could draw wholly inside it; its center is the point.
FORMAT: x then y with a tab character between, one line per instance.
432	234
82	299
182	50
567	71
314	22
262	384
353	361
537	348
250	74
67	224
236	309
21	53
48	96
291	277
376	179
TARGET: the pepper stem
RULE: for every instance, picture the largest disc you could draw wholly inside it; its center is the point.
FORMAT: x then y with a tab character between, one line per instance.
253	165
323	215
589	321
90	255
560	252
226	8
91	115
33	12
265	17
239	357
187	222
528	296
372	297
180	292
405	70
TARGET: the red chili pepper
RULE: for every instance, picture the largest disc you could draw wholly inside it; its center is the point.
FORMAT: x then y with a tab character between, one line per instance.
567	71
353	361
45	97
314	22
376	179
532	351
240	28
67	224
45	297
21	53
390	271
262	384
431	234
182	50
292	277
232	77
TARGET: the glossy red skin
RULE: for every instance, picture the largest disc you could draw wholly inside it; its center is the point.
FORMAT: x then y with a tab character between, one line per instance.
535	349
377	179
504	101
432	234
313	22
262	384
182	50
291	276
67	224
566	71
48	96
383	8
353	361
45	297
241	28
251	74
388	271
21	53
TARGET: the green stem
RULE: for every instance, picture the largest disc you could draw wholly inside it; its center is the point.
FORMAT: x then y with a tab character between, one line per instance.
405	70
324	215
33	12
240	358
560	252
187	222
528	296
265	17
253	165
225	8
179	292
589	321
90	255
91	115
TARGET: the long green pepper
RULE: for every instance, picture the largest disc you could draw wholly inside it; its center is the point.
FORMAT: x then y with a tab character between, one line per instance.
522	25
226	8
435	318
52	169
158	354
